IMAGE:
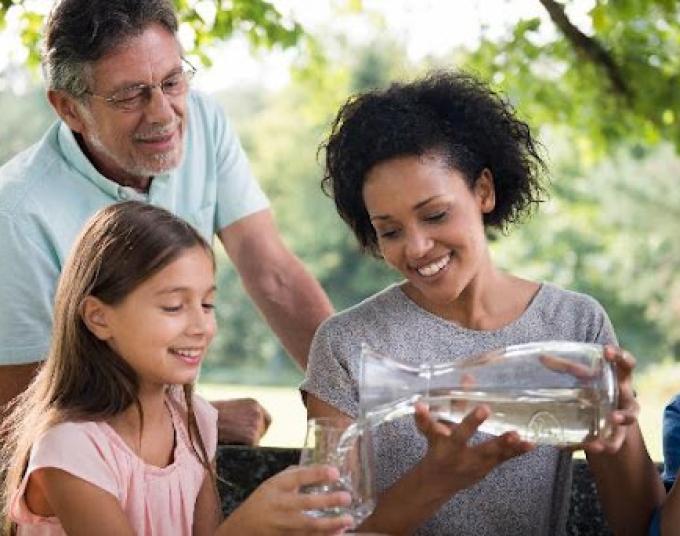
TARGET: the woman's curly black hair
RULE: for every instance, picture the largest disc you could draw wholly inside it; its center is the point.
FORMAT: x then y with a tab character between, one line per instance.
450	114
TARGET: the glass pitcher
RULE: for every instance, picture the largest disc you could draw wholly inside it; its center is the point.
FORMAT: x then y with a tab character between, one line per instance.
550	392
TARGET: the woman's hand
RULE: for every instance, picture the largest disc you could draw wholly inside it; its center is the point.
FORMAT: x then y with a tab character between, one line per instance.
451	464
277	506
626	414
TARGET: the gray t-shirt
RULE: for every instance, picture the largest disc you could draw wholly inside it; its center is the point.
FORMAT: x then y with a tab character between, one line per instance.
524	496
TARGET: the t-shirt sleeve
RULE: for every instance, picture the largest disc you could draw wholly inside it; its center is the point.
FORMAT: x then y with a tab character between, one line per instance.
671	442
238	192
81	450
329	374
28	276
206	417
604	328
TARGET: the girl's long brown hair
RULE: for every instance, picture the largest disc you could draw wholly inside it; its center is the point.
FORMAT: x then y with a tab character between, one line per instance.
83	379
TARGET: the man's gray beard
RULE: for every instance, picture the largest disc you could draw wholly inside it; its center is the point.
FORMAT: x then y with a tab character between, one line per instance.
162	162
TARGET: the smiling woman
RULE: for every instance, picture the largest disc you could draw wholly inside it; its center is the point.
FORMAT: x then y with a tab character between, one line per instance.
421	172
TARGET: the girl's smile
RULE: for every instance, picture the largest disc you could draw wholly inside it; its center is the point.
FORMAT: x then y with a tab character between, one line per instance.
164	326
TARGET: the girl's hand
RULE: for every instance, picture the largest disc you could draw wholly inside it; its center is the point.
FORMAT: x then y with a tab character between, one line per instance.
625	416
451	464
277	506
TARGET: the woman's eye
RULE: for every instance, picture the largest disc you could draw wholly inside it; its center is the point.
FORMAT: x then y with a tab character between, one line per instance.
209	306
171	308
388	234
437	216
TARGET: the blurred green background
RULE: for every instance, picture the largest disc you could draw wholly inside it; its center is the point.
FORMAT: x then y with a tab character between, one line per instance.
597	79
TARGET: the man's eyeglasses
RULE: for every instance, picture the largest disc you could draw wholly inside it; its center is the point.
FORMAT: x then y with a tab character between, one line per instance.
134	98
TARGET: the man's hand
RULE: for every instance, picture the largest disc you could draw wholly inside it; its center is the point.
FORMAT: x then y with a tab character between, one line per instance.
241	421
14	379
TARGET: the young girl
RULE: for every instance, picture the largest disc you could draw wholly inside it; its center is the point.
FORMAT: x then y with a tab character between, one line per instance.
110	438
421	172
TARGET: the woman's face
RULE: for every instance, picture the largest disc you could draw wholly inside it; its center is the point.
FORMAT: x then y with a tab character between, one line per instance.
429	224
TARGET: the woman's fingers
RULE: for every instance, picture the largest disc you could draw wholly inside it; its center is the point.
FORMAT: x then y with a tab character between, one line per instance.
463	432
624	360
561	364
504	447
429	427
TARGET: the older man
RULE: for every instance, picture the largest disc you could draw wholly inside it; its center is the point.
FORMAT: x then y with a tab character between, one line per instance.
130	128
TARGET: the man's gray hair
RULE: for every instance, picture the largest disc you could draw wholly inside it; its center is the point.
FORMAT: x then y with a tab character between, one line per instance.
79	32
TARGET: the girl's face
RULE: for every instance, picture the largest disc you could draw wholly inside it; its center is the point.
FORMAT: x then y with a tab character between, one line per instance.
429	225
162	329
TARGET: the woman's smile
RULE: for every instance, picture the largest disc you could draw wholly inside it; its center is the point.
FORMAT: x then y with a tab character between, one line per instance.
431	269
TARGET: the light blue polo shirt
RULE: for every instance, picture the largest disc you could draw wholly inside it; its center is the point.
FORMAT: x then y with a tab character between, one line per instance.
50	190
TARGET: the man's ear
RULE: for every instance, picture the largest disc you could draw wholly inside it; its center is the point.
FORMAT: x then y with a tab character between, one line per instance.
94	313
485	191
67	109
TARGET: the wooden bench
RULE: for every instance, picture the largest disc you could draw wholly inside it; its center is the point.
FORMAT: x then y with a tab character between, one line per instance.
244	468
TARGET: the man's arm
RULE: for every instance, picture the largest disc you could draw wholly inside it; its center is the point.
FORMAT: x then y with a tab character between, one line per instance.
291	300
14	380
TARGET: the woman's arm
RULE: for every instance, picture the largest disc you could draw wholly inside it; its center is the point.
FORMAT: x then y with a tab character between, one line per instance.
82	508
449	466
628	483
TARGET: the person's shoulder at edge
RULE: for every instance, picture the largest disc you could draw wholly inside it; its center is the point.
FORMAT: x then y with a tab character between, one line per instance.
671	435
673	406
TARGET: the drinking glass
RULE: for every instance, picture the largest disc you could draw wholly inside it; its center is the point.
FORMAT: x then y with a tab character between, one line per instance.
329	442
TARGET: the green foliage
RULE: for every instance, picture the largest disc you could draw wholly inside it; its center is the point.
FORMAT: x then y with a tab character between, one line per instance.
556	81
208	21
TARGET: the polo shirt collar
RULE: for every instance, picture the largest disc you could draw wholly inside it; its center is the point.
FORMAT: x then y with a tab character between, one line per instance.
70	149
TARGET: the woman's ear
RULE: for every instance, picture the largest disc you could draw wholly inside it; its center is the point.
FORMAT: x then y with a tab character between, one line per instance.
485	191
94	313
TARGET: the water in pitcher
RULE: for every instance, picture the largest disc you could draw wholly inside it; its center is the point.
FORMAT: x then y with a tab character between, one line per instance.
552	392
545	416
553	416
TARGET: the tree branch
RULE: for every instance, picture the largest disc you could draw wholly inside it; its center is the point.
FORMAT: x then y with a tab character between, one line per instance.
588	47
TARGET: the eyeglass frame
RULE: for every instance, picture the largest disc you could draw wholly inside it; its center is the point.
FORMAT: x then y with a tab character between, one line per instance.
147	89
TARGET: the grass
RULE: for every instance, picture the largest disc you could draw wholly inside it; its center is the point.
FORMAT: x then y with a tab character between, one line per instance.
655	387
